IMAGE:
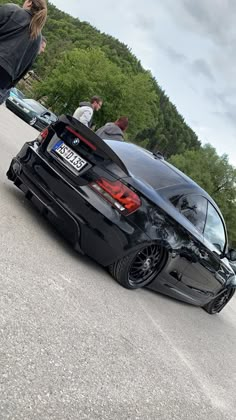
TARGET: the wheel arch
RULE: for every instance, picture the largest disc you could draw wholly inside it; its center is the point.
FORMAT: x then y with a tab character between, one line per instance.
120	269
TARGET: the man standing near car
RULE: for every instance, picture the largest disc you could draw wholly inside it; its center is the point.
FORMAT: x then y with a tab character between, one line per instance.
84	113
114	130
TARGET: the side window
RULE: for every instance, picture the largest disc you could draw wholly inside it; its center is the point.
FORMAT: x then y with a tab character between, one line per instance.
214	230
194	208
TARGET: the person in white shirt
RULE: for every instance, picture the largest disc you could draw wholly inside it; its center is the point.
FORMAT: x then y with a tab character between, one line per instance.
84	113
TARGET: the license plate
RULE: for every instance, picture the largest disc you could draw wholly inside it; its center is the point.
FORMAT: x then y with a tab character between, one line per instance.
68	155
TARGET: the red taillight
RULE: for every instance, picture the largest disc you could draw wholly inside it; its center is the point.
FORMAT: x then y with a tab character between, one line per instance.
42	136
118	194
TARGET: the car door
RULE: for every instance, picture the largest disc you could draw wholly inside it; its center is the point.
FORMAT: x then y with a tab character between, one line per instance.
205	274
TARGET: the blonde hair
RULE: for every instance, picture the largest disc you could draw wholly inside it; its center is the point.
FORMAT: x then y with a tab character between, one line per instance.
39	17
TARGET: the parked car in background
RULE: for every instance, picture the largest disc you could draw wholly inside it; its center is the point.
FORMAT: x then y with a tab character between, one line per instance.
30	111
131	211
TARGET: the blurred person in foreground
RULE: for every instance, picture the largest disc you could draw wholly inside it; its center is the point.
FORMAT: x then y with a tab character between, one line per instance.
20	40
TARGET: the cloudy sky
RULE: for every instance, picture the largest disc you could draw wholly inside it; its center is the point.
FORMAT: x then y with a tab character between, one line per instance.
190	48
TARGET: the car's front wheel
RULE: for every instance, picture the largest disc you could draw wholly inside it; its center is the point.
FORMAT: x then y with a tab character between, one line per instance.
139	268
216	305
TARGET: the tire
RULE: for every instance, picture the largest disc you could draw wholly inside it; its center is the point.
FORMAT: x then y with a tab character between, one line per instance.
216	305
139	268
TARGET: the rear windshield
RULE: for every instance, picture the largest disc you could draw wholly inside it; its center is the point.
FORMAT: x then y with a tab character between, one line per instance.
143	165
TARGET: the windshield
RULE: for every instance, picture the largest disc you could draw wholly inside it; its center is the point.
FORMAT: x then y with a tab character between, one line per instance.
18	93
35	105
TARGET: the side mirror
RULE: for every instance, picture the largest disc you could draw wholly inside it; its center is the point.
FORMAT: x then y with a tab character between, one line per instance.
45	115
159	155
231	255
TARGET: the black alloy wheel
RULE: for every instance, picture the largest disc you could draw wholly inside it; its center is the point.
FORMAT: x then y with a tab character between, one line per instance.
217	304
139	268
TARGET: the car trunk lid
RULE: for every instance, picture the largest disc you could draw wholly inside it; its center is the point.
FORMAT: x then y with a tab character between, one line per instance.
77	149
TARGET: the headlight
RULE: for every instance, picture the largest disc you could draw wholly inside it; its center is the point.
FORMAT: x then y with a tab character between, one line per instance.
33	121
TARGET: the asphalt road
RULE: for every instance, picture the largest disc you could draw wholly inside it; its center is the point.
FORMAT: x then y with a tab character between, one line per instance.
76	345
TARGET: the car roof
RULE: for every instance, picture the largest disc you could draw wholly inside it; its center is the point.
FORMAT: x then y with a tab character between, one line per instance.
163	177
138	159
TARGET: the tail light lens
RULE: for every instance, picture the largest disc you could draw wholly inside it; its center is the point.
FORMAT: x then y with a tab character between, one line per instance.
42	136
119	195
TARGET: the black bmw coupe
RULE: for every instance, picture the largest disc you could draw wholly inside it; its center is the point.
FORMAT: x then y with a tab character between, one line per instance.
130	211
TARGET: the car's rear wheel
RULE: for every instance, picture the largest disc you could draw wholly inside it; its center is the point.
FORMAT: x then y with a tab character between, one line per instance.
216	305
139	268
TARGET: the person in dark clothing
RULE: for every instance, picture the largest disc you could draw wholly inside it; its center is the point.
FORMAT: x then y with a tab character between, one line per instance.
114	130
5	93
20	39
84	113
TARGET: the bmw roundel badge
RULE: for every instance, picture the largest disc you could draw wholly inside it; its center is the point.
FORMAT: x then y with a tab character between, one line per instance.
75	142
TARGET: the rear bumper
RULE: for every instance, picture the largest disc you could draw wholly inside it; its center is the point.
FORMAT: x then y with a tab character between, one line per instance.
78	213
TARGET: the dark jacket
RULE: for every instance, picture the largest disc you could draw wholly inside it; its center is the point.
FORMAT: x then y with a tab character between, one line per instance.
110	131
17	50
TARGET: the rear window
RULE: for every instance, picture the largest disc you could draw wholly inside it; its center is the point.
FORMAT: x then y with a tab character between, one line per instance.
142	164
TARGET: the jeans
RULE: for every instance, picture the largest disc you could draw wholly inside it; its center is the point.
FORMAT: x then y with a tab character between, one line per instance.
4	94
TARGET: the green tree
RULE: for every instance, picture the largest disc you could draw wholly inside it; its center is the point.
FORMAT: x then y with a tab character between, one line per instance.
81	74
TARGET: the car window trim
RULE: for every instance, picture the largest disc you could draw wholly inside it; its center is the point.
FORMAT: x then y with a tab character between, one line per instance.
224	227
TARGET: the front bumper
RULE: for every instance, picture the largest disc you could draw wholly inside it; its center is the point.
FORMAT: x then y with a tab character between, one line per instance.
40	125
86	220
